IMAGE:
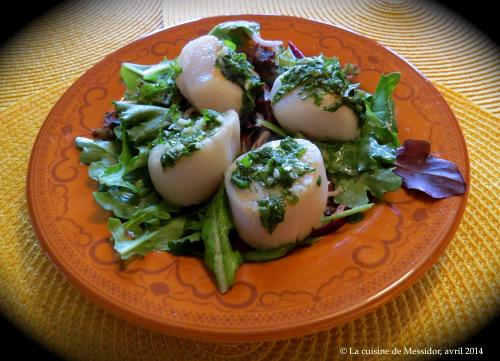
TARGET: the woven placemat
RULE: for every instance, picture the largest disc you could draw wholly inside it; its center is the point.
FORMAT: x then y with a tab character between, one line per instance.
457	297
443	46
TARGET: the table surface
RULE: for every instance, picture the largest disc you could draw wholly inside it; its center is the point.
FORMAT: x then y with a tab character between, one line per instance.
454	299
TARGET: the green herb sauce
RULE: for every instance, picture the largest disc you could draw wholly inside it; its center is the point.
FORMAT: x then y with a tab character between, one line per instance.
185	136
318	76
273	168
272	211
236	68
319	181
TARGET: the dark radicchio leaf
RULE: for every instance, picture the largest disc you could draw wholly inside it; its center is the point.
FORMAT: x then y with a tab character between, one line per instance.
438	178
263	104
106	131
295	51
331	227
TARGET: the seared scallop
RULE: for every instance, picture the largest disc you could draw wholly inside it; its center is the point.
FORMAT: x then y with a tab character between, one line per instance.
299	114
303	201
194	177
201	82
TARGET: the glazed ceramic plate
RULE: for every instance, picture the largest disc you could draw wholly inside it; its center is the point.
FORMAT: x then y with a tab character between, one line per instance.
345	275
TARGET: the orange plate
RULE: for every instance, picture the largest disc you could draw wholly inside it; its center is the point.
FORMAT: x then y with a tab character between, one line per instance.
337	279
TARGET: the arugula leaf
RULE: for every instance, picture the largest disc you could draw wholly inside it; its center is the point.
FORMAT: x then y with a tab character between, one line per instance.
219	256
374	128
151	240
382	102
354	189
272	127
97	150
364	154
152	215
124	203
189	244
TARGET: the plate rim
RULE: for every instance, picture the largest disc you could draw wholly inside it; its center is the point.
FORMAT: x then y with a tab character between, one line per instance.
256	334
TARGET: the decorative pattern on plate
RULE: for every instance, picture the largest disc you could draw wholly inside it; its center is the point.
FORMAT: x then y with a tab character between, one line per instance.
346	274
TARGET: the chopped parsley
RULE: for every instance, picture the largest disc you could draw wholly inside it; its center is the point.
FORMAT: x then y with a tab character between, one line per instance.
185	136
272	211
318	76
319	181
273	168
236	68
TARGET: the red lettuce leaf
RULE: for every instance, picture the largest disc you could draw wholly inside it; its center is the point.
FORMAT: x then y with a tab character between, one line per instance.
295	51
438	178
263	58
106	132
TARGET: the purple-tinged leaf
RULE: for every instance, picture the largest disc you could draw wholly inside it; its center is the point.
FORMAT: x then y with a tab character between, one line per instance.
263	58
328	228
438	178
263	104
105	132
295	51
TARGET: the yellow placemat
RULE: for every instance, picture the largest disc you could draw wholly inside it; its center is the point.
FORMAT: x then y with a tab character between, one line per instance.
457	297
62	44
444	47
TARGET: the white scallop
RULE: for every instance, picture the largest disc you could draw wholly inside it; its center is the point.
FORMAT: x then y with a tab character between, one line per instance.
201	82
296	114
300	218
194	178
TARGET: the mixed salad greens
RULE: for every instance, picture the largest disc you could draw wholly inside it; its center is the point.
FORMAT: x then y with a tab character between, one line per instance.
153	111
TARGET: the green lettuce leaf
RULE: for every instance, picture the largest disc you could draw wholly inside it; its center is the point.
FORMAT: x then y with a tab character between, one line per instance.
382	102
152	215
364	154
286	59
354	189
114	175
153	84
237	32
365	165
143	122
219	256
131	75
141	244
97	150
125	203
190	244
140	160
